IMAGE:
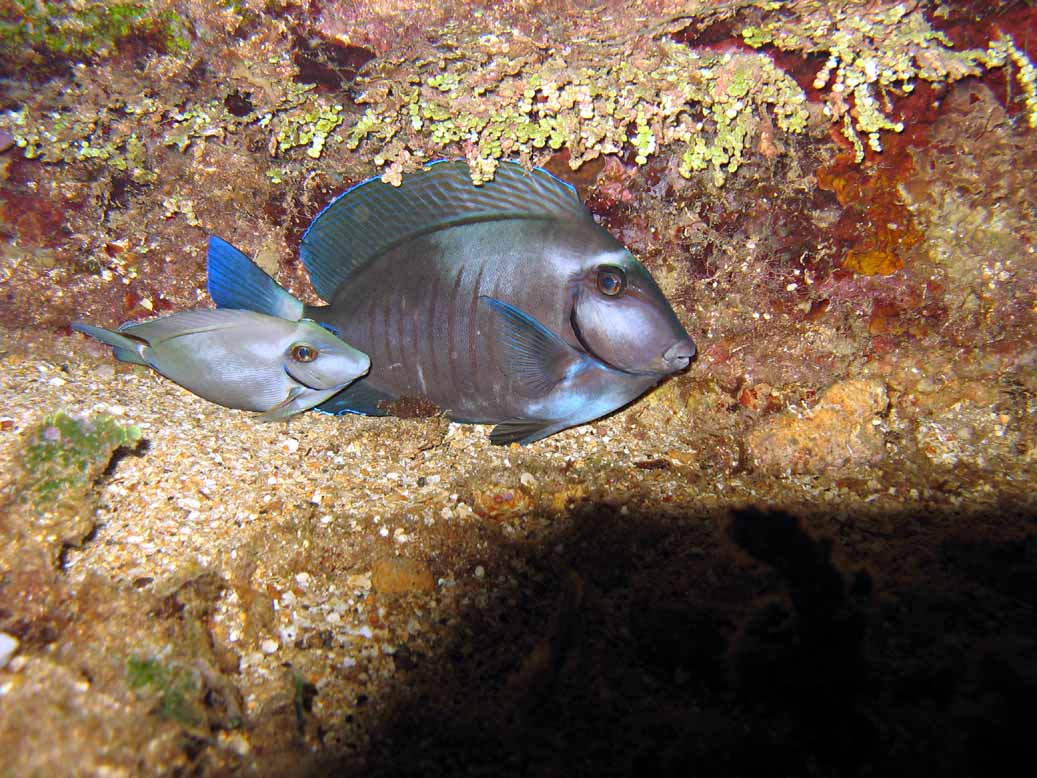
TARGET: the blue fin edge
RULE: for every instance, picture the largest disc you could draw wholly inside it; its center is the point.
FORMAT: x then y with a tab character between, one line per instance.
236	281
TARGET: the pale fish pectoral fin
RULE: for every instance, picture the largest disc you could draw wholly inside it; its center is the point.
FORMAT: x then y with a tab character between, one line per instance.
534	358
524	431
235	281
127	349
299	399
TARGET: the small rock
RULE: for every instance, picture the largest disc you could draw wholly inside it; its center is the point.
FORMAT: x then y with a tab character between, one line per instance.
268	646
395	574
502	503
104	372
837	432
236	742
8	645
359	581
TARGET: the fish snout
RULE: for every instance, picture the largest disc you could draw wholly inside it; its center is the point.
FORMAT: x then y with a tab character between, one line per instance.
679	355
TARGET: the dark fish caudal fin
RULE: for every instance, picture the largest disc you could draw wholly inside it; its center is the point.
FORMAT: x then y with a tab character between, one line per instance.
126	349
368	220
235	281
535	359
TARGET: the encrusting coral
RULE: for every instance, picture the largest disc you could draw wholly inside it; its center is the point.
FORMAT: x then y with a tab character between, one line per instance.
505	95
877	51
616	87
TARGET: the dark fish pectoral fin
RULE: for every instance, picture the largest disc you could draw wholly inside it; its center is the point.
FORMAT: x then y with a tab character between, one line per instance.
523	431
235	281
359	398
535	359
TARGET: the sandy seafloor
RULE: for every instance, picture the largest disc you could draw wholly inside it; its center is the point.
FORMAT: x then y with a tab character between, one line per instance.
590	575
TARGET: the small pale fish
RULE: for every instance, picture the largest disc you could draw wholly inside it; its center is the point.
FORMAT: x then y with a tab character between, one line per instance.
241	359
502	303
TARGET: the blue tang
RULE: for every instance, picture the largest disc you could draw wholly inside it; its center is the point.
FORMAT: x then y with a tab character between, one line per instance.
501	303
240	359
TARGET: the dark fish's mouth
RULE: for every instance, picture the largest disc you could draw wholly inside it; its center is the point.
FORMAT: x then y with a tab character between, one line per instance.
679	355
675	359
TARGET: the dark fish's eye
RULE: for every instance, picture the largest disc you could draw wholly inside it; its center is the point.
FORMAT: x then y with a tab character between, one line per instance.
612	281
302	353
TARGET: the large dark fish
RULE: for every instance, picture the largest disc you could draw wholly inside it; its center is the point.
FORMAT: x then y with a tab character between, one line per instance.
501	303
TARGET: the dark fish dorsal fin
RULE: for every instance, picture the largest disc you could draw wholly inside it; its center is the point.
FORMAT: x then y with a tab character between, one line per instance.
235	281
535	359
371	218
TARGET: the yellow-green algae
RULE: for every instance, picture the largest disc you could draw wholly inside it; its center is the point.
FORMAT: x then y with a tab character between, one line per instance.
78	30
501	96
173	686
877	51
613	87
300	119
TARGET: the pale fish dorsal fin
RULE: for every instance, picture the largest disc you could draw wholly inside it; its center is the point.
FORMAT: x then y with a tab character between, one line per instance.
235	281
368	220
194	322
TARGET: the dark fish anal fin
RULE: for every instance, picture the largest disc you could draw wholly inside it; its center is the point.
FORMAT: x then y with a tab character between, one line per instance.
534	357
359	398
523	431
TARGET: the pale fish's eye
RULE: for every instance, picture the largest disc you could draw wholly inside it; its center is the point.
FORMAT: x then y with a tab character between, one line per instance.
612	281
302	353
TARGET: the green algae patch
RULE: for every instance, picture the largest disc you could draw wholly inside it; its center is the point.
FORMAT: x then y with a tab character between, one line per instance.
86	30
66	454
635	91
174	689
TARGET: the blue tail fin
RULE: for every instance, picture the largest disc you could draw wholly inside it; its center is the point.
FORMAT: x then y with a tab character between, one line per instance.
235	281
